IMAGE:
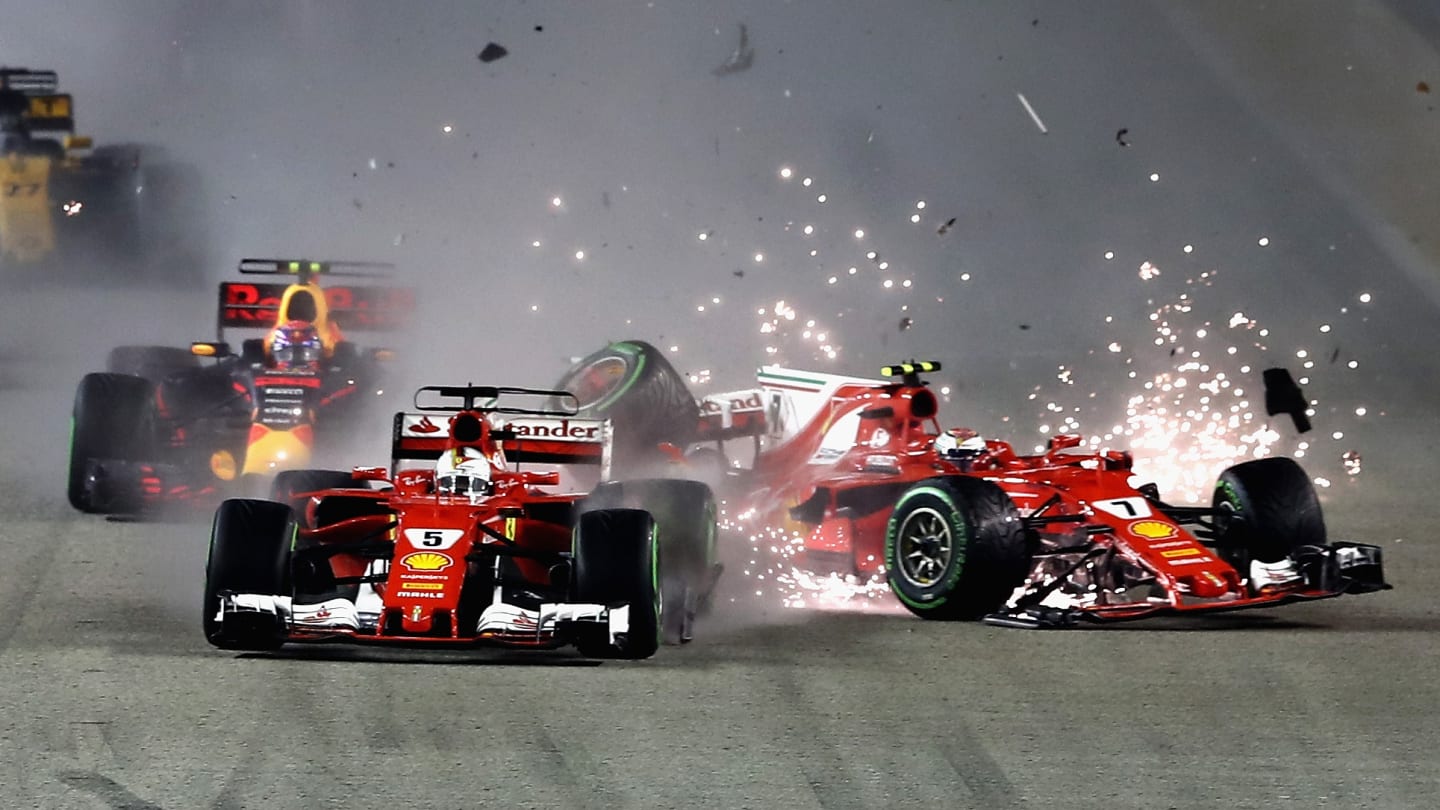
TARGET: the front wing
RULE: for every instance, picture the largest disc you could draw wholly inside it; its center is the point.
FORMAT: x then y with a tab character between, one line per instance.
1096	585
338	620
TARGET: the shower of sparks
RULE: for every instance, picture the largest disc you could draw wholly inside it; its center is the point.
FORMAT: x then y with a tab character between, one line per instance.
773	567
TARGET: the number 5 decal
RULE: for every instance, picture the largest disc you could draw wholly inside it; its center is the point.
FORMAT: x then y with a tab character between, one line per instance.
437	539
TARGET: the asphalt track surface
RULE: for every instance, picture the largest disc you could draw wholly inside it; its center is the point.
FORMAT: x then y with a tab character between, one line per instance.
113	700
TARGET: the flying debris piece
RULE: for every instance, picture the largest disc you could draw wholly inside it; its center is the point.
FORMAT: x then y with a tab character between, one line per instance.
1335	355
1350	459
1120	137
906	323
492	52
1282	395
1033	115
944	229
741	58
738	274
1024	326
1422	87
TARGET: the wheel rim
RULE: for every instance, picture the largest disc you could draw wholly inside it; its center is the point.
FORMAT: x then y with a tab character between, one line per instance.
597	380
924	547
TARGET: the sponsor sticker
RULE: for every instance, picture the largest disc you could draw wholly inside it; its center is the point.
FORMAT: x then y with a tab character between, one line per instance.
1181	552
422	586
427	561
1153	529
1193	560
419	595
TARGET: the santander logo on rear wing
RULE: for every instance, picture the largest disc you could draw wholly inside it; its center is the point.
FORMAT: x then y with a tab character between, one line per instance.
558	440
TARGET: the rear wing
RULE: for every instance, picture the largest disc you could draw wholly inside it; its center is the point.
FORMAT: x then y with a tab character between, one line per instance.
256	305
731	415
46	109
557	440
792	397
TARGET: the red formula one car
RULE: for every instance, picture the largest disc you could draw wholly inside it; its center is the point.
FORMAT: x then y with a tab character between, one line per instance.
861	474
470	549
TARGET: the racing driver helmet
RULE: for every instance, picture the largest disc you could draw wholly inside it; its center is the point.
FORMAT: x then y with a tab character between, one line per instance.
296	346
463	471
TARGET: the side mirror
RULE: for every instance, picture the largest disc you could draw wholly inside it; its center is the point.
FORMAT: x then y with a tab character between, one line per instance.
204	349
546	479
1063	441
370	474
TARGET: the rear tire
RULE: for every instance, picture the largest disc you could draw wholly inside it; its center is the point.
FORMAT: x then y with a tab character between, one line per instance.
113	419
684	513
955	548
1265	510
154	363
632	384
616	563
250	544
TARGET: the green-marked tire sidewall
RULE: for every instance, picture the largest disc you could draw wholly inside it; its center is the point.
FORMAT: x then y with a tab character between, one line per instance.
632	374
940	593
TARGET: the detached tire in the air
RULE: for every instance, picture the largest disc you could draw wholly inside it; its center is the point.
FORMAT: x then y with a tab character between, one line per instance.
154	363
632	384
249	553
112	421
1264	511
955	548
684	513
616	559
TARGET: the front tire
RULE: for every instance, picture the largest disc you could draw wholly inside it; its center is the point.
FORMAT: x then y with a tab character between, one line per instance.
616	562
112	420
154	363
955	548
1265	510
250	545
685	519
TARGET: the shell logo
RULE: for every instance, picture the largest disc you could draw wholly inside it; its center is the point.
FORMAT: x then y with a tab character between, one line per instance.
427	561
1152	529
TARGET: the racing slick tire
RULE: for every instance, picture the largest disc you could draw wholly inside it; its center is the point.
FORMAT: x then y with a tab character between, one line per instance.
955	548
249	553
1264	511
616	560
632	384
154	363
289	483
684	513
112	420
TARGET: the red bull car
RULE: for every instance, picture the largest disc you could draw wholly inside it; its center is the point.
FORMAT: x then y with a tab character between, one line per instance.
481	545
165	424
860	474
